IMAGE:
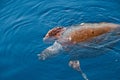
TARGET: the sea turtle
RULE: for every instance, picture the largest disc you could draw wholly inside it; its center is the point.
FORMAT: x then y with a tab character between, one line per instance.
81	41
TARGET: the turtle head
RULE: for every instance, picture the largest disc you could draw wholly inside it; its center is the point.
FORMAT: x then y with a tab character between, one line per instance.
53	34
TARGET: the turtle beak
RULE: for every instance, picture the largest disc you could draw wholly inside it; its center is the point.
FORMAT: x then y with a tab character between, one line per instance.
45	39
49	39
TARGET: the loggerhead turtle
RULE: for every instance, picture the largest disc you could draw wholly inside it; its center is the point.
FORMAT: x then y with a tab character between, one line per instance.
81	41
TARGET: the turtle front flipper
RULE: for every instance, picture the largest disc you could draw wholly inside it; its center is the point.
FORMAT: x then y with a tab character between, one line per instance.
75	64
50	51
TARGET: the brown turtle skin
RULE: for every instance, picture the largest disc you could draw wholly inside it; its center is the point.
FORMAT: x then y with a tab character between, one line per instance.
87	33
84	33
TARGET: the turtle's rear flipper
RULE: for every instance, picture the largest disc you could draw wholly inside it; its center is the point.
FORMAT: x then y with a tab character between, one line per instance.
75	64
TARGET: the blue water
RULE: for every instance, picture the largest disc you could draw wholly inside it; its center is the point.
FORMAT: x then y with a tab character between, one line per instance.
23	24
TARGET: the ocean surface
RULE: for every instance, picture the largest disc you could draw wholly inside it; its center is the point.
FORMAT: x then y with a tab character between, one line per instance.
24	23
